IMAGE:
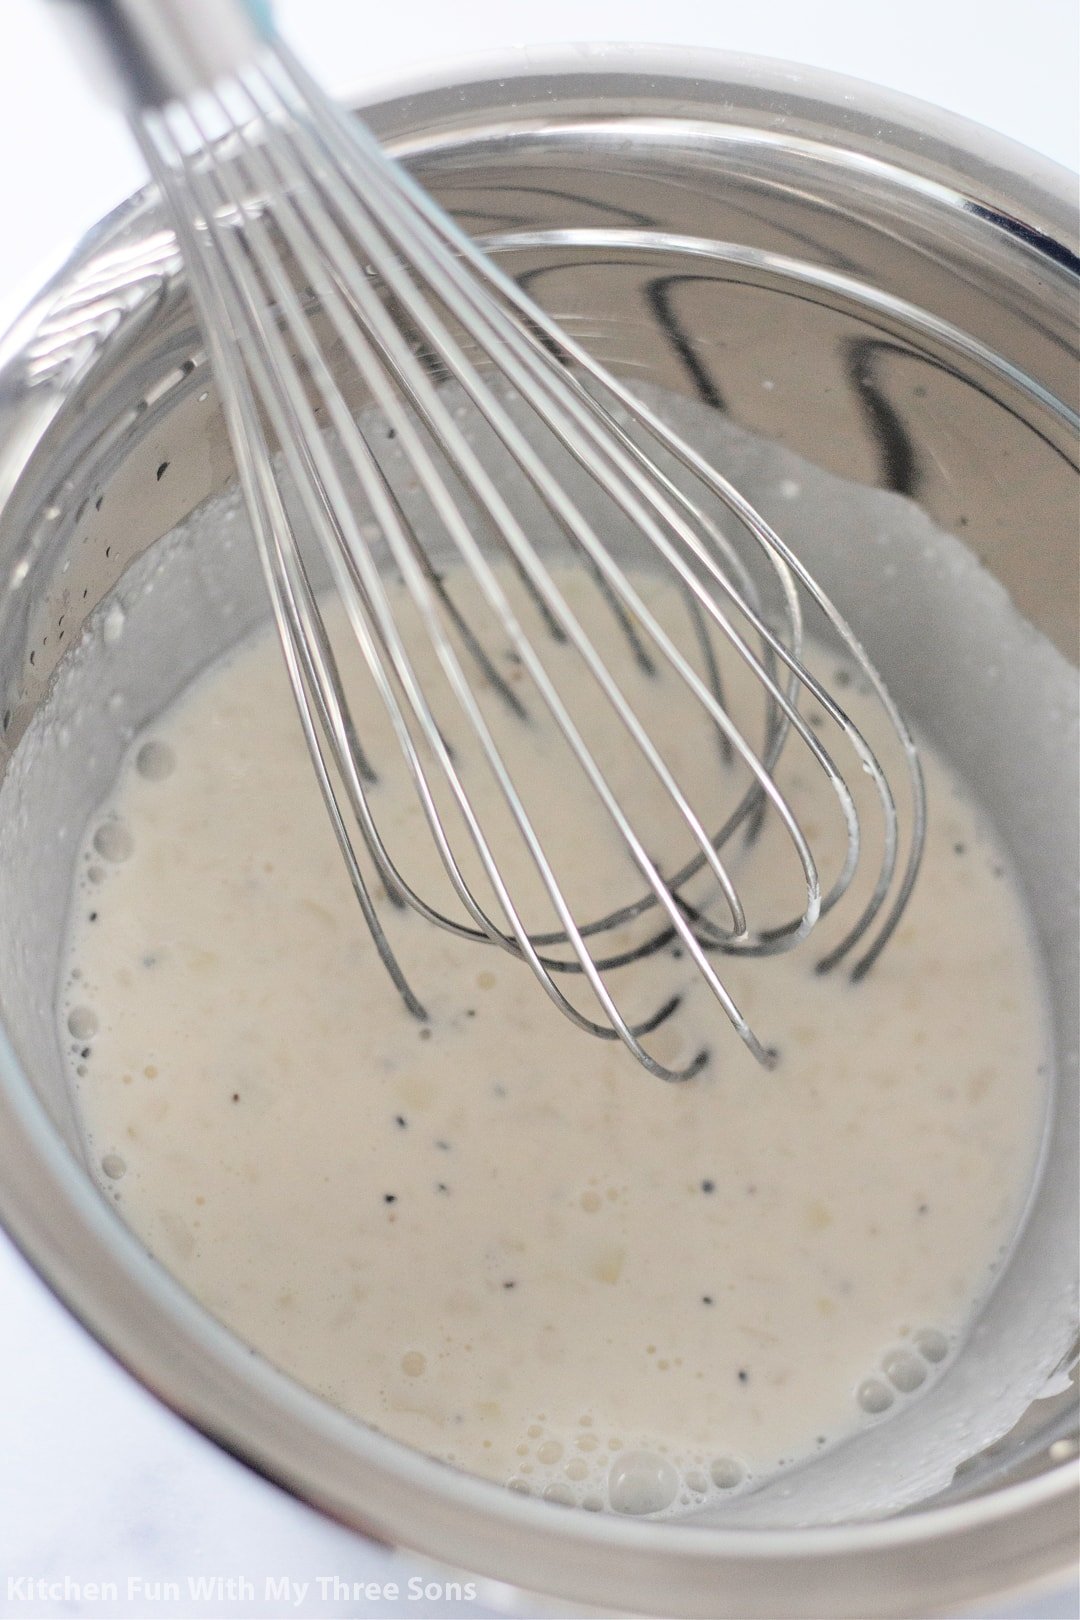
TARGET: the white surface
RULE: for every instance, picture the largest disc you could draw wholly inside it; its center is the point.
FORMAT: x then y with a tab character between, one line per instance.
97	1482
66	158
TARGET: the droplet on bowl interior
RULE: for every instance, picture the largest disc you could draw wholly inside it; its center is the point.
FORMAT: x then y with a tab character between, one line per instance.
113	841
932	1345
155	761
82	1023
904	1371
874	1396
642	1482
727	1472
113	626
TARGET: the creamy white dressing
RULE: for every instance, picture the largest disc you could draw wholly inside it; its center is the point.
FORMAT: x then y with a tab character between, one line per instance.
490	1236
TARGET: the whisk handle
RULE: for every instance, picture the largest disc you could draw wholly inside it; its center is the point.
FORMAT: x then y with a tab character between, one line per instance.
157	51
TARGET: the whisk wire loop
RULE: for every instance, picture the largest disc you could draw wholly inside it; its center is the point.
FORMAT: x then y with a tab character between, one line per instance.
566	724
264	331
348	132
374	176
321	223
461	455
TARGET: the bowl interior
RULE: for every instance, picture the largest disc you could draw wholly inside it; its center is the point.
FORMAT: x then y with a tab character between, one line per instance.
807	311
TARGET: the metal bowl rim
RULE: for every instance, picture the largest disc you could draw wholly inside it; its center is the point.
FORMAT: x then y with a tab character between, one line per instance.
1046	188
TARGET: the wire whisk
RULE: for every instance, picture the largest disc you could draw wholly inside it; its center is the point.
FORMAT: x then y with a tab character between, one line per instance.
334	294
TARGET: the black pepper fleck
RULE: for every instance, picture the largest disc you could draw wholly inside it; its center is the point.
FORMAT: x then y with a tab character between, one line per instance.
93	916
924	1209
706	1299
97	503
401	1122
389	1198
444	1147
236	1096
441	1187
162	470
744	1376
85	1052
509	1284
708	1186
959	849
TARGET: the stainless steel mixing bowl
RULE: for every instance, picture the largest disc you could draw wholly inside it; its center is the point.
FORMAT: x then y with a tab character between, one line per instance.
906	284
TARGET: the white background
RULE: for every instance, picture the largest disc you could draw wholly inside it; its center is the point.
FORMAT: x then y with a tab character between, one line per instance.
64	159
96	1481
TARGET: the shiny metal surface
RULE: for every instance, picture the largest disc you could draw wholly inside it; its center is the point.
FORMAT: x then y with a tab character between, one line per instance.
146	52
930	350
400	302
